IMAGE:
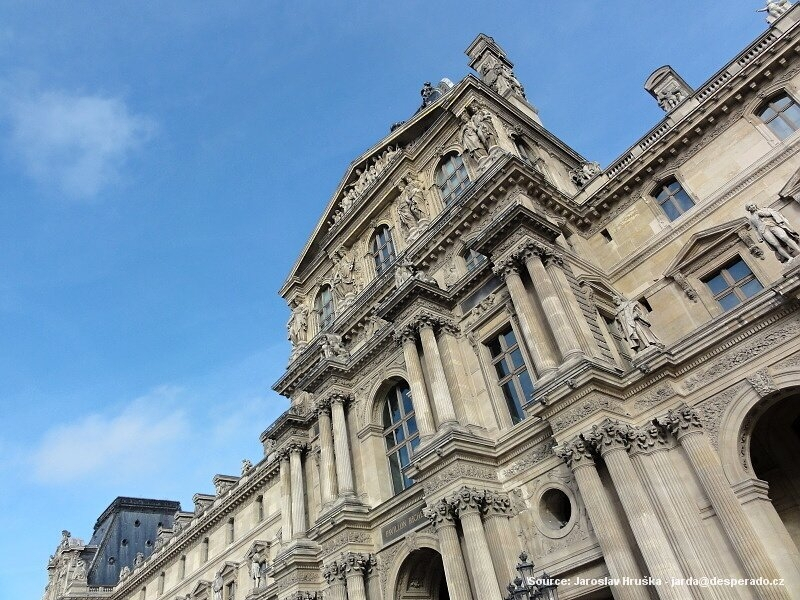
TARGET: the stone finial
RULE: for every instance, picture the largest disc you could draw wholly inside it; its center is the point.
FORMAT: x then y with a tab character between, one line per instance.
585	172
667	87
775	9
490	61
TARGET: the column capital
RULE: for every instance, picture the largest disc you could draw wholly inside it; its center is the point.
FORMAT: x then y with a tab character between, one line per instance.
355	564
406	334
649	438
681	421
440	514
576	453
296	447
333	572
609	435
467	501
339	398
496	504
529	250
322	406
505	267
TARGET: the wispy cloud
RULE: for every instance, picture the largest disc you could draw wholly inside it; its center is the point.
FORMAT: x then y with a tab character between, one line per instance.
78	143
127	443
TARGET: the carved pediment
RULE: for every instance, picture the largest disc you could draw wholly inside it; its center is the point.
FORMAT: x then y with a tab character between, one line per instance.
258	547
201	590
599	292
228	569
704	246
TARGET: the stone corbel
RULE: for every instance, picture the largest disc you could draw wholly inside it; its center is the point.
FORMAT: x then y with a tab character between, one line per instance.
684	284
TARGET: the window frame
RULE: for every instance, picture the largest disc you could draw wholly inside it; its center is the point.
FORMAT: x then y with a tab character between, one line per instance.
382	249
325	310
722	268
513	376
473	260
410	439
779	114
670	200
452	193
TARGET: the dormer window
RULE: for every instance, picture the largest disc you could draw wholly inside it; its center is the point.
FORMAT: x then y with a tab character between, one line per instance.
451	177
324	307
382	249
781	114
673	199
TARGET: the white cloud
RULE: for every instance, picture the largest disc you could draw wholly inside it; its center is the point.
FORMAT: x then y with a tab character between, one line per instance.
79	143
128	443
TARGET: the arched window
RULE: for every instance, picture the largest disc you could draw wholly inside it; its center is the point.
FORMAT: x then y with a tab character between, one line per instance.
473	259
673	199
781	114
382	249
324	307
451	177
400	433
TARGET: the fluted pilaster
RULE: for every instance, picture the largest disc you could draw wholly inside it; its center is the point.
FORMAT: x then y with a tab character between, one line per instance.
286	497
684	424
298	490
356	567
443	520
468	504
442	399
327	471
607	526
419	395
341	442
612	440
335	575
503	544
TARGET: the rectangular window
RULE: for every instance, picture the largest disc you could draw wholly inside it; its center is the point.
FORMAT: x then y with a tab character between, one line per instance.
182	568
230	591
231	525
733	284
512	373
260	509
204	551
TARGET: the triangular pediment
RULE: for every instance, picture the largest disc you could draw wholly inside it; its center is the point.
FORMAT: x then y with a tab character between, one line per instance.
258	547
201	588
703	244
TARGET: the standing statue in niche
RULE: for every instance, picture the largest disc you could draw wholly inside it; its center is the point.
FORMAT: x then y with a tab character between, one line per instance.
217	585
410	206
470	140
344	281
481	118
298	325
501	78
773	228
633	324
256	570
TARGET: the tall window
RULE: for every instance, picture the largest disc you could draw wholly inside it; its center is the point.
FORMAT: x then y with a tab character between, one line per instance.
673	199
473	259
382	249
733	284
512	374
229	535
781	114
400	433
324	307
451	177
182	567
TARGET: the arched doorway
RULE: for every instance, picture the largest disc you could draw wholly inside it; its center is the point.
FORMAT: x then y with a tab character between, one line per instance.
421	577
775	456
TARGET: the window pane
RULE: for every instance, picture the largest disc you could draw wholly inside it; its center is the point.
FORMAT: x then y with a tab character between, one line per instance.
717	284
399	434
792	115
411	424
751	288
397	477
494	348
403	454
683	201
415	442
512	399
672	212
511	339
387	419
395	410
728	301
780	128
502	368
781	102
767	114
527	386
408	407
390	443
739	270
516	358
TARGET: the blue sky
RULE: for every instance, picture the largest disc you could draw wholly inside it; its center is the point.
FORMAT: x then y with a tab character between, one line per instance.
161	165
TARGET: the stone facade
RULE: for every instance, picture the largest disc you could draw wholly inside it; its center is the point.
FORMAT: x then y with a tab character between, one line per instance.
499	345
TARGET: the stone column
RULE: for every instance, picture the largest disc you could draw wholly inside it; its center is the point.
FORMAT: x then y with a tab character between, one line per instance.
443	520
543	362
286	498
334	574
554	309
607	527
684	424
419	395
298	492
327	471
679	515
467	504
612	440
503	543
441	393
341	442
355	568
555	268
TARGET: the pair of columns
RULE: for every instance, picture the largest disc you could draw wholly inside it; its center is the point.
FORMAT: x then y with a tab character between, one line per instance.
637	461
336	467
425	327
559	307
346	576
484	518
293	508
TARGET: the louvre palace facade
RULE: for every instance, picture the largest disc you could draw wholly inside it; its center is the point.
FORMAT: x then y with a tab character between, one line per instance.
501	346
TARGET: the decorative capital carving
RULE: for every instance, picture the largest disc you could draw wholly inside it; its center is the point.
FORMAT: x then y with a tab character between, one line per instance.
340	398
506	267
467	500
496	504
681	421
296	447
649	437
609	435
406	334
334	572
576	453
440	514
323	406
355	564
